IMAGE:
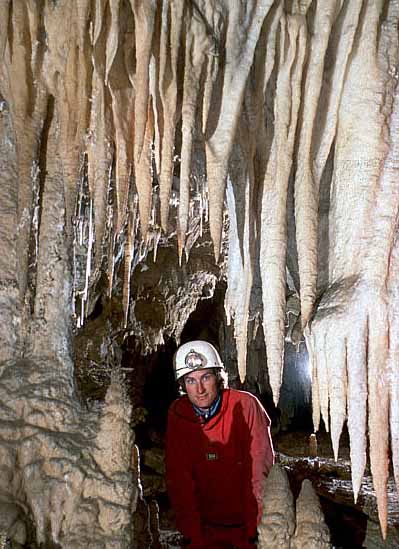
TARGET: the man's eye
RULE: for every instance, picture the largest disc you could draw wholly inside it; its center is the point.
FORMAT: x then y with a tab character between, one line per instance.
207	377
189	381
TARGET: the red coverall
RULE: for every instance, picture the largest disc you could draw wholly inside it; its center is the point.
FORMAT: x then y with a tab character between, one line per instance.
216	470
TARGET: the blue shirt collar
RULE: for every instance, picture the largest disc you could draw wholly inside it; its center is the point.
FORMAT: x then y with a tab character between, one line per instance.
207	413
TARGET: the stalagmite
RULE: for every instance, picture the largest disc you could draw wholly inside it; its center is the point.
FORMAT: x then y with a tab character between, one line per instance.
113	455
278	519
311	530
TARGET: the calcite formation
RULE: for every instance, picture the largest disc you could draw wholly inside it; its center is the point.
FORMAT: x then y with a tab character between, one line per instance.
116	113
287	525
278	519
311	530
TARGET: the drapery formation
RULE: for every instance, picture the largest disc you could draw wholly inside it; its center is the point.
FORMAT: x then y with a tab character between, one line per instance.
276	97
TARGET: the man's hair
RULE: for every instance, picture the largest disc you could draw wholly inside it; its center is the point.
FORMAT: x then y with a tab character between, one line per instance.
222	380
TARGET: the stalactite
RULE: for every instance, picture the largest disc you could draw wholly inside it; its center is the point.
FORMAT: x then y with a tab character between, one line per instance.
322	376
337	383
122	95
212	71
214	16
27	117
144	174
316	409
144	18
239	264
73	93
357	399
4	15
99	149
377	267
306	187
329	100
273	223
378	410
394	405
393	364
129	254
89	255
123	153
112	37
83	8
97	20
169	46
68	127
196	44
239	50
253	140
111	264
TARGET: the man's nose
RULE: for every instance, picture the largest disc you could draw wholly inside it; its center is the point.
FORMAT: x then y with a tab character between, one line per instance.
200	387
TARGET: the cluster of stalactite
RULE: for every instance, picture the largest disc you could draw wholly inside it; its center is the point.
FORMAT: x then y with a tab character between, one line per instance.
287	104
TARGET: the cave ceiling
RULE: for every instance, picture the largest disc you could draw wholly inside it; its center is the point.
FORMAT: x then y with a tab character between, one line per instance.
264	132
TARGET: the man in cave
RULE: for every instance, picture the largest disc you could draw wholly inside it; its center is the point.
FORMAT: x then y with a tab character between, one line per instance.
218	453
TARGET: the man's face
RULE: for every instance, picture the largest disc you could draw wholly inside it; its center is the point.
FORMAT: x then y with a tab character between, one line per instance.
201	387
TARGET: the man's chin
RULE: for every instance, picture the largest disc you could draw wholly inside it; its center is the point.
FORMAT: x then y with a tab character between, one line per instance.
203	404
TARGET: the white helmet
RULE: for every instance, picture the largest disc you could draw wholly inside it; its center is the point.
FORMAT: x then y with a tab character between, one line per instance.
195	355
